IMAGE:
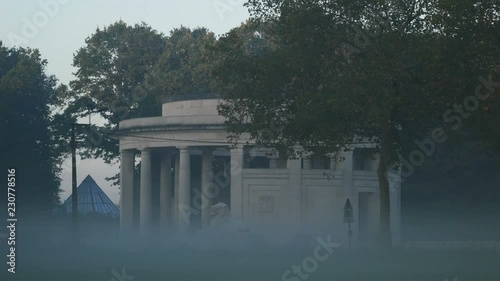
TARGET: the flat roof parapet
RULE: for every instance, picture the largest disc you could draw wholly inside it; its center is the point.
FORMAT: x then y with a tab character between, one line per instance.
194	96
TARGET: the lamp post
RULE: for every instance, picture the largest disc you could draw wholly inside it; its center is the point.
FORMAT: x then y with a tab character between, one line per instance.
348	218
74	192
74	203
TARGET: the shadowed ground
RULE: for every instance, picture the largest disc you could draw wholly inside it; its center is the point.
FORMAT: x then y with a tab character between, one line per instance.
256	263
45	253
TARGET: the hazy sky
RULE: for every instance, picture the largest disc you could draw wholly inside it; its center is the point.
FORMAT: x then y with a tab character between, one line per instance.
58	28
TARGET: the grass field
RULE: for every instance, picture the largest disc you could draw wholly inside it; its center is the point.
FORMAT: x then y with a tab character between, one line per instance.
89	263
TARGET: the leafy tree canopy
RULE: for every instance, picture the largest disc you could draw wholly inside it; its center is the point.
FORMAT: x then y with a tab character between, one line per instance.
126	71
29	143
111	70
183	68
340	71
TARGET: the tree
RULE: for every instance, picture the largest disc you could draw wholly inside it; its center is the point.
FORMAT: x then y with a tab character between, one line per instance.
339	72
125	71
183	68
475	25
28	142
112	69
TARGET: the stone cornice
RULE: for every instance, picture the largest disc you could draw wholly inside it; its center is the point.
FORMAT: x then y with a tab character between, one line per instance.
167	128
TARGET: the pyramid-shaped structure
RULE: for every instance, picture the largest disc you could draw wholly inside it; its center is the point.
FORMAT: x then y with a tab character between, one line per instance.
91	199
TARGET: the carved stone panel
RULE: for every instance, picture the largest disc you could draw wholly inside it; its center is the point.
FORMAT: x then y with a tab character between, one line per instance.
266	204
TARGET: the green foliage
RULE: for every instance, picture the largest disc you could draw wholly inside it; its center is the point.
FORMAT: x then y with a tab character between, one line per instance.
183	68
125	71
112	68
28	140
347	71
475	27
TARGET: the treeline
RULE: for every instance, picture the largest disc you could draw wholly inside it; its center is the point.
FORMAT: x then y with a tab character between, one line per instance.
400	74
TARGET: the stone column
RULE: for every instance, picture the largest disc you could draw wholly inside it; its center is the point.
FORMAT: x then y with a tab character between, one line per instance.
307	163
376	162
349	192
184	209
273	162
175	208
206	186
237	182
347	172
333	161
395	205
127	194
145	202
295	189
165	192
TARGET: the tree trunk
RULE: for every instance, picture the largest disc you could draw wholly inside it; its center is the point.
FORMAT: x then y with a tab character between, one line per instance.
383	180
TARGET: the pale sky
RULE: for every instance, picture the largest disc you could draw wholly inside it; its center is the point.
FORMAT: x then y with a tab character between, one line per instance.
58	28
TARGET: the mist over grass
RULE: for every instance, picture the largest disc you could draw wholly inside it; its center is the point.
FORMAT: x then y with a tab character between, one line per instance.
46	252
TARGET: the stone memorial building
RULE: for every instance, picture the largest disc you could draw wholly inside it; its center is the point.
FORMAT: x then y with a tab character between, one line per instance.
187	165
